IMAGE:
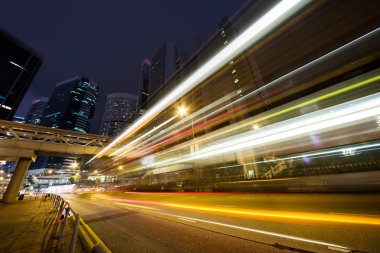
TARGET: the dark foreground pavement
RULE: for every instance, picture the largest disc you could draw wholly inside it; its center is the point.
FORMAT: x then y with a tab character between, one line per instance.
28	226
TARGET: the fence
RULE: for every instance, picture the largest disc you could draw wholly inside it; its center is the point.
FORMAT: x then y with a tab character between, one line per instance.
89	241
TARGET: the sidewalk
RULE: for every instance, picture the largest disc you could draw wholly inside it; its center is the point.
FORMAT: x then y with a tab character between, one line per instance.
28	226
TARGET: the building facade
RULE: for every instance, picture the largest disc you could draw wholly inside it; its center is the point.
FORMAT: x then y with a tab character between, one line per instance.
168	59
72	105
143	93
18	66
36	111
119	111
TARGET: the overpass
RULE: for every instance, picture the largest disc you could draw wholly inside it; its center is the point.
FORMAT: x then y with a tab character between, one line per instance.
23	143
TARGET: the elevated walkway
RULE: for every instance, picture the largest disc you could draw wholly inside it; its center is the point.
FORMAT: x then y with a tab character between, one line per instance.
24	142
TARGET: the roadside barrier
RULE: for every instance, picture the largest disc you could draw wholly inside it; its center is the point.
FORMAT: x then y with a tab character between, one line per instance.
89	241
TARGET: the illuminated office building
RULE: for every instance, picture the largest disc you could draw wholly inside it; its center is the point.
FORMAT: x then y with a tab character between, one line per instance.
119	110
36	111
18	66
72	105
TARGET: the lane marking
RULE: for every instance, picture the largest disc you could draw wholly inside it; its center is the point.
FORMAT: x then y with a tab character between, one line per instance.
295	238
138	206
185	219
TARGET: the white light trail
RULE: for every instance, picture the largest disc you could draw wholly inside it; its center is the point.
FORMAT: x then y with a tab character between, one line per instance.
215	108
256	31
160	136
322	120
143	136
324	153
299	127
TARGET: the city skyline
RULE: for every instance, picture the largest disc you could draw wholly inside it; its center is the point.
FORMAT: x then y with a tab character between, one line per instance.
110	50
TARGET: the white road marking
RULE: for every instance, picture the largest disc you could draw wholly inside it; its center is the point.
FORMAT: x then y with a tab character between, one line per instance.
186	219
295	238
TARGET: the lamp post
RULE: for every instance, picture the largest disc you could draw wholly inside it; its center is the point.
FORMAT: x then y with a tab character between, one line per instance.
182	111
193	148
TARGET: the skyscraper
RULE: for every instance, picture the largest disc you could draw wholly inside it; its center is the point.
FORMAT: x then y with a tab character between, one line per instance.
36	111
18	66
144	87
168	59
120	108
72	105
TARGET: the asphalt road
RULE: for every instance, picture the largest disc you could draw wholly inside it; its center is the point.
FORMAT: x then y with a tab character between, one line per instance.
230	222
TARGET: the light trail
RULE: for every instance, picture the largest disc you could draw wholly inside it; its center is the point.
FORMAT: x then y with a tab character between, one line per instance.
306	216
325	153
129	145
269	21
278	80
175	126
205	122
347	86
322	120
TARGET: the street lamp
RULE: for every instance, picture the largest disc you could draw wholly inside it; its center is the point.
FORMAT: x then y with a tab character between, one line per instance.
182	111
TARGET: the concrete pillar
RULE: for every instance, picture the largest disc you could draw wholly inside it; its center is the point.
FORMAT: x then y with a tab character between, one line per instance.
17	180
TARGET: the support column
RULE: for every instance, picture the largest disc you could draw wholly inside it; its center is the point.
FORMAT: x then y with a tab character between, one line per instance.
17	180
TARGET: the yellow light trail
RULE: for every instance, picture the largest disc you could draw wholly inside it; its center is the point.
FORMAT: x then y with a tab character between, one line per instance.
251	213
352	219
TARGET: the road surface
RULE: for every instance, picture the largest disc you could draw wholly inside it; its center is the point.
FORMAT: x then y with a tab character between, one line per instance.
230	222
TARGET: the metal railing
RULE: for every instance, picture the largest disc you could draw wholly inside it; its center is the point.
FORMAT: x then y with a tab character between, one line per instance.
89	241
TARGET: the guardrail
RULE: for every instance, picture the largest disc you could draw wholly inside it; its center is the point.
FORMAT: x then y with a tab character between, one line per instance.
89	241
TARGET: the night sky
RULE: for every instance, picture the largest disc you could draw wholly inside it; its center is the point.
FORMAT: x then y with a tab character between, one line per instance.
105	40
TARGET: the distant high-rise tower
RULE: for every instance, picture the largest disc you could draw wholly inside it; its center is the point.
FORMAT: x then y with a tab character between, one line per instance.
18	66
144	87
36	111
120	108
165	62
72	105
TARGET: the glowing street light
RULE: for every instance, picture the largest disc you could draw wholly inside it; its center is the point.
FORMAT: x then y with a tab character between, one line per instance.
182	111
50	171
